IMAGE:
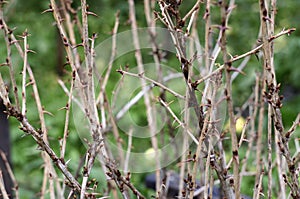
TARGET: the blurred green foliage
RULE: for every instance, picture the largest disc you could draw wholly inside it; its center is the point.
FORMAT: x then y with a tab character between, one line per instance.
243	31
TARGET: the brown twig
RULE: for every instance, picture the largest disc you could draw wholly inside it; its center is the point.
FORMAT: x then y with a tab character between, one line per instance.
149	107
66	127
25	35
228	95
8	37
2	187
11	174
115	174
272	96
183	125
142	76
38	136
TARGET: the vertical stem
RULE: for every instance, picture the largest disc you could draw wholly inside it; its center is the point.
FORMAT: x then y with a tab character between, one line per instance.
269	168
25	34
2	188
85	34
150	118
228	92
8	59
260	131
207	35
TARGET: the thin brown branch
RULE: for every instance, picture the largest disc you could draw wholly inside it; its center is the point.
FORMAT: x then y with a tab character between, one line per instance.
115	174
193	10
183	125
25	35
2	187
236	58
269	168
228	95
11	174
38	137
272	95
67	118
8	42
149	107
142	76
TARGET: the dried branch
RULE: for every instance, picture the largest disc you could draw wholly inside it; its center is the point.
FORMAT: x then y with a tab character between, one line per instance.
210	141
9	41
38	136
178	121
25	35
115	174
11	174
139	95
142	76
272	96
66	127
149	107
228	95
2	187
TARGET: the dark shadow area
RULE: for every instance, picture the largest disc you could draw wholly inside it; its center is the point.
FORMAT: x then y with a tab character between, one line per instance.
5	147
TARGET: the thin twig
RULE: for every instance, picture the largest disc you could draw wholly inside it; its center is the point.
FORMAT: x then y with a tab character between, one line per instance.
128	151
25	34
140	94
178	121
269	168
142	76
228	95
38	136
115	174
11	174
112	58
193	10
7	37
66	127
149	107
2	187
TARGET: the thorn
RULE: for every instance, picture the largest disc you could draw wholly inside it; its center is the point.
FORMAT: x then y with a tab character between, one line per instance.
4	64
25	33
63	108
291	31
48	10
66	64
67	162
48	113
170	102
29	83
94	35
13	42
31	51
256	55
91	13
120	71
141	74
11	30
78	45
